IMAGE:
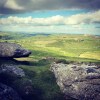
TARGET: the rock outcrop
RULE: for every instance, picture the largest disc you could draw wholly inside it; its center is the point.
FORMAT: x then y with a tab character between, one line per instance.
12	69
9	72
79	81
12	50
7	93
14	80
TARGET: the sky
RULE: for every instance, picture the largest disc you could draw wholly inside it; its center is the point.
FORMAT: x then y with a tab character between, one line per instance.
50	16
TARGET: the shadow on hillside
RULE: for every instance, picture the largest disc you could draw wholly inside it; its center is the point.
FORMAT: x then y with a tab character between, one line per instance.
9	61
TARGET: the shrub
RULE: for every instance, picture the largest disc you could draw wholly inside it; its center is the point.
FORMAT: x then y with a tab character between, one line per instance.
62	61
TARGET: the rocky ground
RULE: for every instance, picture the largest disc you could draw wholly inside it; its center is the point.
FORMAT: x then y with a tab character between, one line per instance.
13	82
79	81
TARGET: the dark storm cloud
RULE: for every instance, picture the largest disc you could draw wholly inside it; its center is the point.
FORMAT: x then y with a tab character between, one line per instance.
20	6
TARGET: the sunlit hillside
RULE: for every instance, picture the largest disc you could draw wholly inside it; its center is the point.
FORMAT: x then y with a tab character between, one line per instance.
71	47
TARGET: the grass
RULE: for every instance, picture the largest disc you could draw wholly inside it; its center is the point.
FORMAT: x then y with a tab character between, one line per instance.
62	46
43	80
70	47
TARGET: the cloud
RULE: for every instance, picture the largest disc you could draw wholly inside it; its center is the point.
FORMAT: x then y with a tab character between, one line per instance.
97	27
55	20
11	4
86	18
19	6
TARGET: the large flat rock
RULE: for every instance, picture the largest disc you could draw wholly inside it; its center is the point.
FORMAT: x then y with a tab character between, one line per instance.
12	50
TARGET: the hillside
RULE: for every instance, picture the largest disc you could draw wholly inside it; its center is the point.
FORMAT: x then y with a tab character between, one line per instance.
70	47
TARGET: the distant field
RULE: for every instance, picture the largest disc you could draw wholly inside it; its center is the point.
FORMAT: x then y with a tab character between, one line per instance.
71	47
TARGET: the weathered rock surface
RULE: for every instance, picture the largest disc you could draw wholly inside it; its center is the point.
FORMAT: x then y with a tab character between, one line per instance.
12	75
7	93
79	81
12	69
12	50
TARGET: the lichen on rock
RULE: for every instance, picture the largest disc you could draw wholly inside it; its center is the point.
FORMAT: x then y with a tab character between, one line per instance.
12	69
12	50
79	81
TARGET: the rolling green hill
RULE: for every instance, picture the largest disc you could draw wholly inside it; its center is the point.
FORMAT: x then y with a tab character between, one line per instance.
61	45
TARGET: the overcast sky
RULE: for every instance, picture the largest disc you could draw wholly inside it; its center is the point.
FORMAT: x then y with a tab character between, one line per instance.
54	16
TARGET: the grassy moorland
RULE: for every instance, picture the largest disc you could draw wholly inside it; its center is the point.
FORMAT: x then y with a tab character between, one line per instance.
70	47
46	47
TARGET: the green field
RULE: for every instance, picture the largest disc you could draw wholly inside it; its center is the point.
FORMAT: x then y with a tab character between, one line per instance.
70	47
45	48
